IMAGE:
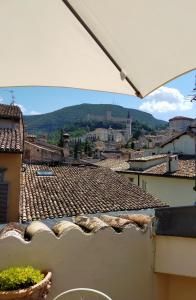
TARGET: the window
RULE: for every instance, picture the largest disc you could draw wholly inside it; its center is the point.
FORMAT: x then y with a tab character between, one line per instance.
44	173
131	179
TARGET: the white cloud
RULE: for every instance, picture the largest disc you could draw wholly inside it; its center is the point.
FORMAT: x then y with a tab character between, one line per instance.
165	100
23	109
33	112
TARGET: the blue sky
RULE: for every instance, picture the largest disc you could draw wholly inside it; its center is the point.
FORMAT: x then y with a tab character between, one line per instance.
164	103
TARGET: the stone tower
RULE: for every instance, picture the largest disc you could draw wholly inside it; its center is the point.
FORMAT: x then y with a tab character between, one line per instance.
128	126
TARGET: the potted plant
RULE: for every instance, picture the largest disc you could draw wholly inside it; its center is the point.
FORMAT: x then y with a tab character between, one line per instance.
24	283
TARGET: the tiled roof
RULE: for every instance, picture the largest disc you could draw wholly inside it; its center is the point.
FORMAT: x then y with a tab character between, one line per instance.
49	149
82	224
113	164
186	169
10	112
10	140
148	158
78	190
180	118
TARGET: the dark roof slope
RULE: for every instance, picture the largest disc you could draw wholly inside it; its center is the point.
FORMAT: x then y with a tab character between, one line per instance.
10	112
78	190
177	136
11	140
180	118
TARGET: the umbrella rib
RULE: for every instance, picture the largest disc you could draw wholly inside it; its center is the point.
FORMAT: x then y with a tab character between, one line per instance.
74	12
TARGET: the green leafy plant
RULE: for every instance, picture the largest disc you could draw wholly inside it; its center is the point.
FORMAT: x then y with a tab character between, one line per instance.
16	278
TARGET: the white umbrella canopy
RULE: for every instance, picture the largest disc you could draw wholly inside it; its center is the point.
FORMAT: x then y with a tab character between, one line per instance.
122	46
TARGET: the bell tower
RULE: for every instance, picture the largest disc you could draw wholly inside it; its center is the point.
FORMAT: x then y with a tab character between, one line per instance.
129	126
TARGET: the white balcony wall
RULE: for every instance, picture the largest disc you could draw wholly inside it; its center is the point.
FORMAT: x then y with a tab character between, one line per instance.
119	264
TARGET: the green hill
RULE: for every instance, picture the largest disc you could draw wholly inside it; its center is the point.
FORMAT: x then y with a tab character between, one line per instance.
72	114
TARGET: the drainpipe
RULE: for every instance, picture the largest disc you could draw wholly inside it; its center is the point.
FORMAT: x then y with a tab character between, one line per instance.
194	188
194	127
138	179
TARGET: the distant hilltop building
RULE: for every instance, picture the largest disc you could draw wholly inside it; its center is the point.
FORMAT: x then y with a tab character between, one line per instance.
107	117
113	135
180	123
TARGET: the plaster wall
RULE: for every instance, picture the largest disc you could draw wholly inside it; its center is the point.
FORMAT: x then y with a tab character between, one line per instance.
119	264
175	256
12	163
143	165
173	191
175	277
185	144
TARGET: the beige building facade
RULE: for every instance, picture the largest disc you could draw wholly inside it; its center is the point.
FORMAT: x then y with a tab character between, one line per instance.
171	178
11	149
182	144
12	164
174	191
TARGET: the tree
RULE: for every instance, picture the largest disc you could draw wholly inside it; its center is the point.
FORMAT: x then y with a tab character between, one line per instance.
61	141
132	145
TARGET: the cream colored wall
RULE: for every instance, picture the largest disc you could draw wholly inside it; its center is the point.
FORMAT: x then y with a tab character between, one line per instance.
12	162
173	191
185	144
175	256
119	264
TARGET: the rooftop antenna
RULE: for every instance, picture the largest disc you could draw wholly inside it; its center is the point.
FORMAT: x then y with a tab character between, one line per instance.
12	97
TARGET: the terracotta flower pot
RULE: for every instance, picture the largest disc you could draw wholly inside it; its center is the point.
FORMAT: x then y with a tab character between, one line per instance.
38	291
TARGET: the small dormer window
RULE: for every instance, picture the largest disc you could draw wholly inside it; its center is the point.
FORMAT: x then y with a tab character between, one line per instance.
47	173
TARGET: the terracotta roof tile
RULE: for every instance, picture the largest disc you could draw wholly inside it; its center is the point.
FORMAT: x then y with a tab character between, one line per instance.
10	112
78	190
10	140
114	164
186	169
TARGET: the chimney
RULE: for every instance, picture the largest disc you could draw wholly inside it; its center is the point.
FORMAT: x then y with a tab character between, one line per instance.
31	138
172	163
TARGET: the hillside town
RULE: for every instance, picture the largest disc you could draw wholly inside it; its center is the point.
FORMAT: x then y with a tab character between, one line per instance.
97	150
53	181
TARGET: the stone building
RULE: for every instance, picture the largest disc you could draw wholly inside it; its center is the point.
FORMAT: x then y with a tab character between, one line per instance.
180	123
38	150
